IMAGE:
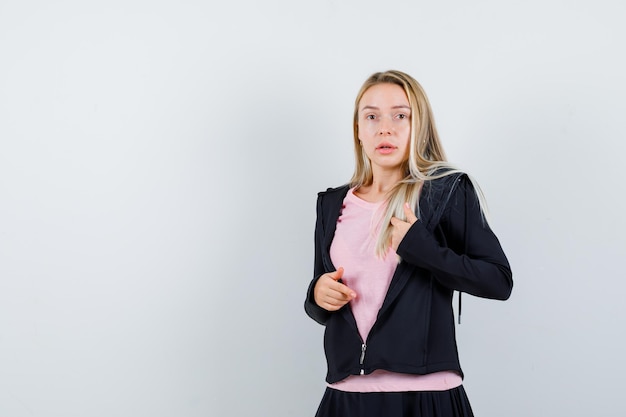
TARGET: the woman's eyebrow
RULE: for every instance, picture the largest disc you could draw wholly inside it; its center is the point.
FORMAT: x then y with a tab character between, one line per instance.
401	106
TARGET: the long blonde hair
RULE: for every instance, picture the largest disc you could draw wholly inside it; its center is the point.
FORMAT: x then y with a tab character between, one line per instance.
426	161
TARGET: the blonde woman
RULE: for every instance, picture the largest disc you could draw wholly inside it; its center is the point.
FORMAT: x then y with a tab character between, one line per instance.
391	247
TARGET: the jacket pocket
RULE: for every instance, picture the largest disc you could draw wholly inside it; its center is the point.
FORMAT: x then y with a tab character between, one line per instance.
399	338
342	346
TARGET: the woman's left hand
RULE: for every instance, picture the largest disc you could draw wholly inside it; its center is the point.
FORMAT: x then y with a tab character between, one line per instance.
400	227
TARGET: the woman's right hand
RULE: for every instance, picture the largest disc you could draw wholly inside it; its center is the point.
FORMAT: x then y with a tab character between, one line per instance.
330	294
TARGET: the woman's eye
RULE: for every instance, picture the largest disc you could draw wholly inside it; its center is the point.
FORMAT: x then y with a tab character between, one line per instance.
402	116
370	117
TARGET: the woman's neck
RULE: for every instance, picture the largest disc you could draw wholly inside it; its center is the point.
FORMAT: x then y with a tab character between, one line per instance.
380	187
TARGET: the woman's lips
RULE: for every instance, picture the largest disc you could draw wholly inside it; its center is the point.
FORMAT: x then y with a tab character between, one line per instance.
385	148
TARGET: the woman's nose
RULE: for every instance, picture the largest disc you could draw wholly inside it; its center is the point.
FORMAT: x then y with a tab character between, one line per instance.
384	128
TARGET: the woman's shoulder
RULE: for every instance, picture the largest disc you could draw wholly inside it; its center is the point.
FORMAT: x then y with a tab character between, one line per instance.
342	189
439	193
445	179
332	197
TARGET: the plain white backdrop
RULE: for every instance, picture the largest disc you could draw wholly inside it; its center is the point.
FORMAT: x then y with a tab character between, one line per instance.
159	164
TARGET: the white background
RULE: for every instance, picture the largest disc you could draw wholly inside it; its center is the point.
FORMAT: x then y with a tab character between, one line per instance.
159	164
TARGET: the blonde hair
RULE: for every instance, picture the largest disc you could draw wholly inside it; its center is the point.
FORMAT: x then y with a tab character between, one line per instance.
427	160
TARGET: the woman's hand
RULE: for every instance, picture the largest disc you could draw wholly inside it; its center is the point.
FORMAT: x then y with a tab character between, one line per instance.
400	227
330	294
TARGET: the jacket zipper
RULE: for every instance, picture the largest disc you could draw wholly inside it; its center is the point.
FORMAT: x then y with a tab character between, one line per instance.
363	347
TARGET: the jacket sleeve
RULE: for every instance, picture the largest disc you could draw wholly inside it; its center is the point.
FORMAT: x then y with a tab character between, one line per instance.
314	311
467	256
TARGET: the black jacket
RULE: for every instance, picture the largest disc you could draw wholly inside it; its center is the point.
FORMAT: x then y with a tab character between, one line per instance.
449	248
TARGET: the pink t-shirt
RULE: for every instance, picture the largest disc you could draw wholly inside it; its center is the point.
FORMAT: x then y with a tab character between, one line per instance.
354	248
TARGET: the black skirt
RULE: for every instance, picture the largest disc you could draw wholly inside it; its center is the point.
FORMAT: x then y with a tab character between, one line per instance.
450	403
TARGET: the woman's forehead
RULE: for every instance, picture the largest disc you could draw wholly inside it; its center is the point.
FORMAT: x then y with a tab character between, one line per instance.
383	96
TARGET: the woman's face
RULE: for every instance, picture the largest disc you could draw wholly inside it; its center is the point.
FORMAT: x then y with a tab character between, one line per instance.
384	123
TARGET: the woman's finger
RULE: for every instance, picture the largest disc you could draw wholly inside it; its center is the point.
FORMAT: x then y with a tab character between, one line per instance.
409	213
